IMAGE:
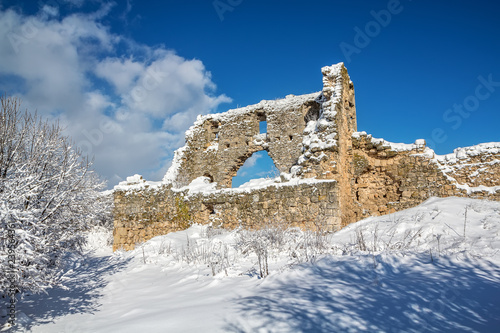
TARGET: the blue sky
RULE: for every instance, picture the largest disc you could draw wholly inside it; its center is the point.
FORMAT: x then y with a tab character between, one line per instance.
128	78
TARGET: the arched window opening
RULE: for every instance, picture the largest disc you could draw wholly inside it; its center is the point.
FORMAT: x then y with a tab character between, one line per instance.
257	167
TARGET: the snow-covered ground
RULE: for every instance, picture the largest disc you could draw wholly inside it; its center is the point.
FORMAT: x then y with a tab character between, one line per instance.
432	268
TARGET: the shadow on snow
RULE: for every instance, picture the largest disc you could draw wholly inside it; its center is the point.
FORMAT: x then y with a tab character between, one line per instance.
83	286
377	293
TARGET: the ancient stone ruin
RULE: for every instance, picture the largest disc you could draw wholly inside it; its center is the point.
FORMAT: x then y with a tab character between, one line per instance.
330	174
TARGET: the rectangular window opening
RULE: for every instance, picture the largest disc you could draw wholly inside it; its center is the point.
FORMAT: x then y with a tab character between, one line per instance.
263	127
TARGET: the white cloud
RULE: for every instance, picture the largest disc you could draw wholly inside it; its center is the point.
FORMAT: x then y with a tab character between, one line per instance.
121	73
170	84
133	116
251	161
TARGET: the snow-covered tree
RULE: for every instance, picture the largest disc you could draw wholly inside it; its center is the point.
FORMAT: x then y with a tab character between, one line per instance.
48	195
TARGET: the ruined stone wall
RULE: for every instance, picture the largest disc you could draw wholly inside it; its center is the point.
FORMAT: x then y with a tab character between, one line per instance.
306	135
218	145
473	166
146	212
388	179
331	175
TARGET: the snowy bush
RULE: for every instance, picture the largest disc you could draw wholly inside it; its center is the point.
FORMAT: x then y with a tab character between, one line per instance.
214	254
48	196
262	251
99	238
277	239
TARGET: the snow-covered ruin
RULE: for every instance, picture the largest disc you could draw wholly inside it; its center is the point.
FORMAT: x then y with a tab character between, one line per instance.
330	174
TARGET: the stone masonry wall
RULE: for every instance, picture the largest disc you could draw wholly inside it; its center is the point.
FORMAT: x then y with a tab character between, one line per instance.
330	175
218	145
387	180
151	211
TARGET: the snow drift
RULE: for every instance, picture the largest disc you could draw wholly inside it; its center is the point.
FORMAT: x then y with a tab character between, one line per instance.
435	267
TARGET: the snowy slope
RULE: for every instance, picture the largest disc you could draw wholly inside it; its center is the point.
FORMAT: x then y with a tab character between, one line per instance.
432	268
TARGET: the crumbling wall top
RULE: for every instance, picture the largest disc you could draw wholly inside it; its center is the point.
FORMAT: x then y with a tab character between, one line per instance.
299	129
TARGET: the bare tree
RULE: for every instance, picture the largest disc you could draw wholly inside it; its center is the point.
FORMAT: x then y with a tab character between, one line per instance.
48	195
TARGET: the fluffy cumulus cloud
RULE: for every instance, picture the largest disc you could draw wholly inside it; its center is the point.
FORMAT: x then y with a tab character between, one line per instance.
125	103
246	168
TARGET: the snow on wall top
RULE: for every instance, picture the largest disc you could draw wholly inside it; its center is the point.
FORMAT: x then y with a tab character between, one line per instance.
399	147
202	185
289	102
451	163
460	154
315	137
332	73
173	171
135	182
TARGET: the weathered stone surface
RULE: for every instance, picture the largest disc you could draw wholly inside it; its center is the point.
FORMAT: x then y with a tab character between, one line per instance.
151	212
309	136
397	180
